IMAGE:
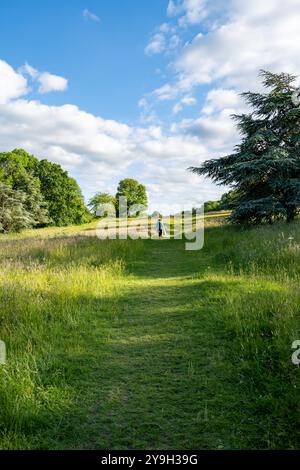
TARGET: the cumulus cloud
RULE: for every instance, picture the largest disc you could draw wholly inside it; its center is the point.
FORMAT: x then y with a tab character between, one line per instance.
167	28
173	8
156	45
165	92
98	152
219	99
29	70
164	40
255	35
12	84
184	101
88	15
218	132
174	42
48	82
190	11
226	55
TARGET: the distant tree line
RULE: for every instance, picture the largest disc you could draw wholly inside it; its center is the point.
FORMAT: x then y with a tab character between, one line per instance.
134	192
264	170
37	193
222	204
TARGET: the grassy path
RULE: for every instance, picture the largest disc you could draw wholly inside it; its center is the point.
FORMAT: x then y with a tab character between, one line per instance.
143	345
162	379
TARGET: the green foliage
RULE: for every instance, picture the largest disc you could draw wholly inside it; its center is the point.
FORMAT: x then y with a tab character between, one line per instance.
62	193
98	199
13	213
265	168
184	350
134	192
211	206
228	199
52	197
17	172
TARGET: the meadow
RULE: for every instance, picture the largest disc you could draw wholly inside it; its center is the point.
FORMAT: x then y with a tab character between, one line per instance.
123	344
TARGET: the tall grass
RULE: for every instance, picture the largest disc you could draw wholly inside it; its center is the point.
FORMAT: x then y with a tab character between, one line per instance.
51	294
147	332
262	310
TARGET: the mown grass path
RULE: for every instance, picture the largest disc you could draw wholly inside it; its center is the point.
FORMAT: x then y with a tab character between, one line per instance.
162	379
143	345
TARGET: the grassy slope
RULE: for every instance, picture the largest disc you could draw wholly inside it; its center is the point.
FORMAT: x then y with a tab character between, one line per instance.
124	344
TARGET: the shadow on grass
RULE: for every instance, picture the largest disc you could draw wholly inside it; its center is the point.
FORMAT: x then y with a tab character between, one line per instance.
150	372
138	375
153	368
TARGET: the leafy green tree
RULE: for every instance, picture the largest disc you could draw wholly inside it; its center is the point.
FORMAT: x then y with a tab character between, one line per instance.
229	199
98	199
16	171
55	197
62	193
13	213
134	192
211	206
265	168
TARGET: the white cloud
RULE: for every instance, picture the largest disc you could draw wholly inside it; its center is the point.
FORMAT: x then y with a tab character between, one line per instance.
99	152
217	132
143	103
219	99
256	35
167	28
215	127
190	11
164	40
49	82
173	8
148	115
177	108
188	100
243	38
165	92
12	84
156	45
88	15
174	42
185	101
228	57
29	70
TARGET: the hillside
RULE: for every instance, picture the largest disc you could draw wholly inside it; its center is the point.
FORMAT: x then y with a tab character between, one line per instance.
141	344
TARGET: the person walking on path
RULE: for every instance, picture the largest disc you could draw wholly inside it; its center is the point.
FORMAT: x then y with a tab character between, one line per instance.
160	228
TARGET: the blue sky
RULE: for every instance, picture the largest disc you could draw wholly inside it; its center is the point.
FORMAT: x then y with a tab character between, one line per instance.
97	57
103	60
113	89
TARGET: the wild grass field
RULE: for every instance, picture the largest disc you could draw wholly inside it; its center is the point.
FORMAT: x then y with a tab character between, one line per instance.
142	345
